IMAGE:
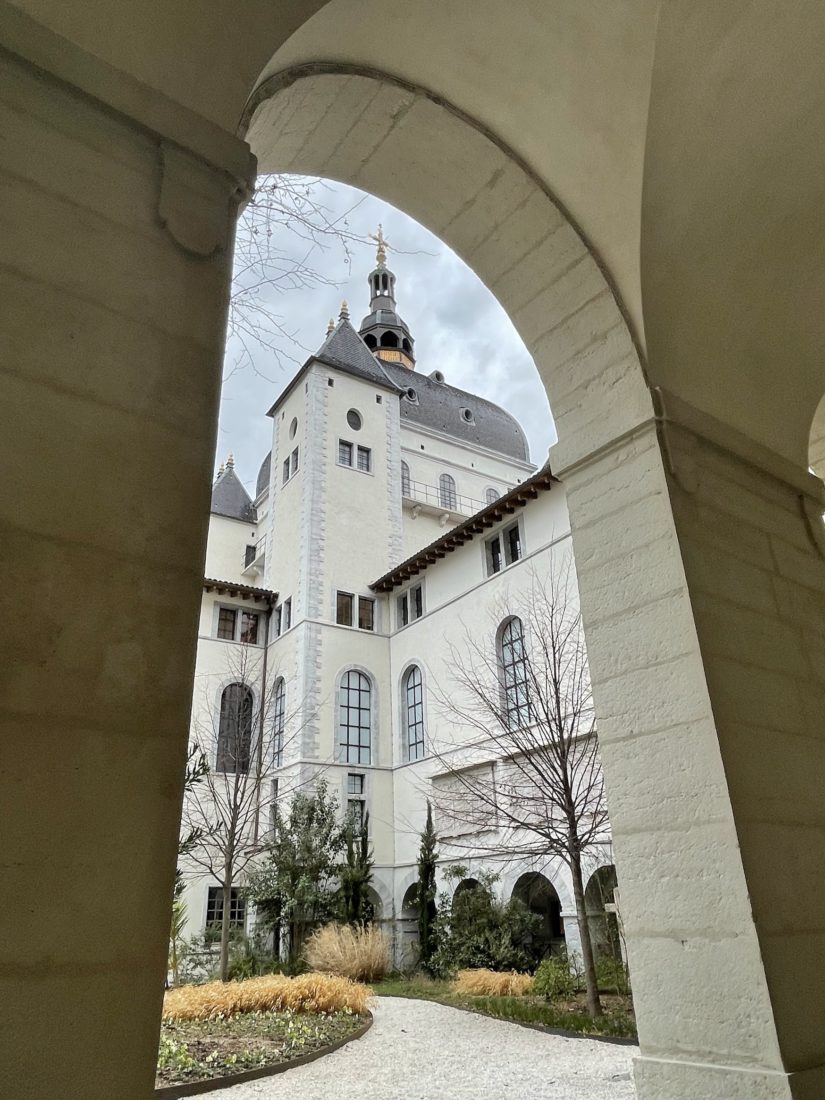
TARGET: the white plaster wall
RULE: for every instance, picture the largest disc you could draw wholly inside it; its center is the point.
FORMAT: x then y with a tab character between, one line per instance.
225	548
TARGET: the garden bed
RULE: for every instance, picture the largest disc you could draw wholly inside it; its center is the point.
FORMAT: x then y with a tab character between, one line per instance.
562	1014
247	1045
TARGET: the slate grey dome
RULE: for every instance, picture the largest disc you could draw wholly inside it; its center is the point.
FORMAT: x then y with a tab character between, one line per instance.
262	484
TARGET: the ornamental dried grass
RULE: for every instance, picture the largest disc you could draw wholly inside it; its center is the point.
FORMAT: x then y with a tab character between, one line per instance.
492	983
270	993
362	954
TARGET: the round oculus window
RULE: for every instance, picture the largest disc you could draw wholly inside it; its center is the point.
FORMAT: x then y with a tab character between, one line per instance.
354	420
293	427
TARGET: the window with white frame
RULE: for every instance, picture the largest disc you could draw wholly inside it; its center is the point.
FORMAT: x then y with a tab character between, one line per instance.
412	691
514	674
214	908
356	803
410	605
491	495
355	718
364	459
345	610
234	729
446	492
293	463
286	618
405	480
236	624
345	450
278	722
503	548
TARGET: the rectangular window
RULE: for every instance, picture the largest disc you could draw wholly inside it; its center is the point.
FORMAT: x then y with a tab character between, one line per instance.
273	807
364	459
214	908
277	623
249	627
512	543
249	555
293	462
355	799
226	623
286	470
343	608
287	615
330	381
344	453
366	613
410	605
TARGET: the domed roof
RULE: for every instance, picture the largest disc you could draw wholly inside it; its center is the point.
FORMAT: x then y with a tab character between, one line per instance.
262	484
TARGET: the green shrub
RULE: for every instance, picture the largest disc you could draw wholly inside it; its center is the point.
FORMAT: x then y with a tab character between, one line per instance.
554	977
474	930
612	976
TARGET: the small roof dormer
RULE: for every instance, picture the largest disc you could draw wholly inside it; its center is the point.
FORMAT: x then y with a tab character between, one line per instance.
384	332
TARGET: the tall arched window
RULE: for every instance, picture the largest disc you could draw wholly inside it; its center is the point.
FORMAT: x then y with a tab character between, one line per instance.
278	722
412	689
514	674
405	480
235	729
354	718
446	491
491	495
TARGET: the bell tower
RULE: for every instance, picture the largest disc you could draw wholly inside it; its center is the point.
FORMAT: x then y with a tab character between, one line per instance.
383	330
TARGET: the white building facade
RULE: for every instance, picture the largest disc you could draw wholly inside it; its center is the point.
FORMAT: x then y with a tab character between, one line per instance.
393	518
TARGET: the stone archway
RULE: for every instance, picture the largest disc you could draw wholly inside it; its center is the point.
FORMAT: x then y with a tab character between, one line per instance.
539	895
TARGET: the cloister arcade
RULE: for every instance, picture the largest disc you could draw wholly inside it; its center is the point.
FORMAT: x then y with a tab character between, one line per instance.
641	183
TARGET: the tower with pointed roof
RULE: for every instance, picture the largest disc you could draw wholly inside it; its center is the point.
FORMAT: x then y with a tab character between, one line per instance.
383	330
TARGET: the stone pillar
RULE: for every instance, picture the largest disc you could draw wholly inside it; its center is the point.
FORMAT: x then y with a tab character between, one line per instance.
700	564
117	214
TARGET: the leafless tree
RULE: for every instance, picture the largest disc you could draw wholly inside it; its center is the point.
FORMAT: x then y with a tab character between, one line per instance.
243	736
529	775
283	242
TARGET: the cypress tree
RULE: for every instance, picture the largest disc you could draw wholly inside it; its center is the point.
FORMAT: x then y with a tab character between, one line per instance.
427	859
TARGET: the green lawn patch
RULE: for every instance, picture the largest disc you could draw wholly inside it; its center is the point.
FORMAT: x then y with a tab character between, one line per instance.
195	1050
567	1015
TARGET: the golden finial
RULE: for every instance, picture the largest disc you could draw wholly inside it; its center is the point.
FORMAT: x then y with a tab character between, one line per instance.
330	327
230	461
344	314
383	245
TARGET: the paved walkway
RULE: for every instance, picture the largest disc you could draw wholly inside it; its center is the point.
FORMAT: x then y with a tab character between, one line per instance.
417	1050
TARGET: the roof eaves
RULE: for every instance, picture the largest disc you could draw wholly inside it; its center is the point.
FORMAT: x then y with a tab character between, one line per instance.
466	531
245	591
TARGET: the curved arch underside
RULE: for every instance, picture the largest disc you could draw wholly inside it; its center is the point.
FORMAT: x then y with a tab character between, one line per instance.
426	158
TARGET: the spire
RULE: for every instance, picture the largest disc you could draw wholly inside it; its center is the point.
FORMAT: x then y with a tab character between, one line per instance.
330	327
383	245
344	314
230	461
383	331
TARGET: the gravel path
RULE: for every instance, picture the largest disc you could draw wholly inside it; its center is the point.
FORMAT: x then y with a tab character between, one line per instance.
418	1050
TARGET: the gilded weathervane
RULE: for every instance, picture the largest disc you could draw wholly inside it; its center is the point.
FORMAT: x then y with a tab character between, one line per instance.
383	245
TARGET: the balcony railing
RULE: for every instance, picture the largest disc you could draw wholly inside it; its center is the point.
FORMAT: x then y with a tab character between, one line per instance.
253	559
436	498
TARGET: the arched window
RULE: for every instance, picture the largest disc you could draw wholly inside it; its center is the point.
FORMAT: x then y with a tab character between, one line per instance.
370	341
491	495
514	674
235	729
354	718
278	722
389	340
446	491
413	702
405	480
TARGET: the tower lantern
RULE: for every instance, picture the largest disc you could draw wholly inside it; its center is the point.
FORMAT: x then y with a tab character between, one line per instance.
383	330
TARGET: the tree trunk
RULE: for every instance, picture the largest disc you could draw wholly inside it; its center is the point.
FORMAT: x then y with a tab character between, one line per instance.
594	1006
225	918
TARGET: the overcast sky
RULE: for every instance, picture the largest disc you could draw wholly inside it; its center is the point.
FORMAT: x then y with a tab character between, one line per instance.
458	327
